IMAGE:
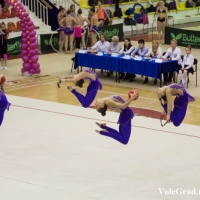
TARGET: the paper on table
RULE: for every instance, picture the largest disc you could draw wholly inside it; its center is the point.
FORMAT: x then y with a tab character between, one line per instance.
126	57
158	60
82	51
99	54
114	54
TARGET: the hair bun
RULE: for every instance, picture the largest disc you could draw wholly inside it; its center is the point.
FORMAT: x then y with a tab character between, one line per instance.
103	114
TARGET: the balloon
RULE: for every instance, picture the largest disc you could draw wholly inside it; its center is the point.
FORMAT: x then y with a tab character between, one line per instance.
23	70
37	71
34	58
26	14
25	58
23	30
26	66
35	66
31	28
22	25
27	19
31	71
24	35
30	23
32	52
24	40
33	45
24	46
32	34
33	39
24	52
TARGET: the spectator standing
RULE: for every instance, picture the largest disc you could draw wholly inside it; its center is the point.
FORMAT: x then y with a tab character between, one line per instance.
101	12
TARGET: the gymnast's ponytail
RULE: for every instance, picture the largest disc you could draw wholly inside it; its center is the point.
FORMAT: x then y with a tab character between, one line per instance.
103	110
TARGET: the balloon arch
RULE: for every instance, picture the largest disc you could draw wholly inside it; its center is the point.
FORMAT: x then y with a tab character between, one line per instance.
29	41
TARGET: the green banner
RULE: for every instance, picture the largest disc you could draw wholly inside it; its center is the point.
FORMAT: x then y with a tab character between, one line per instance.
183	37
14	46
45	44
113	30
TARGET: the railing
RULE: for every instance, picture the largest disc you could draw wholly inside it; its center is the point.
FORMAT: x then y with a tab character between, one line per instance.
40	10
64	3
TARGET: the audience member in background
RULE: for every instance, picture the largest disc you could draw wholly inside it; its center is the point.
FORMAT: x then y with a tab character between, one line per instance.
114	47
155	52
189	4
79	31
173	53
83	19
162	17
186	65
3	45
69	30
93	27
61	32
73	12
126	50
141	50
197	3
150	7
101	12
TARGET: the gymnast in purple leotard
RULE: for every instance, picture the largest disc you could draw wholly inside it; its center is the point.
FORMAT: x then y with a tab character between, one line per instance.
181	101
126	115
78	80
4	104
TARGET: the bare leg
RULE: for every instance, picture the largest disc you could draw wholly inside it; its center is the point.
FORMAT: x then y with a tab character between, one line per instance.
66	43
71	39
83	41
2	62
61	41
100	23
163	30
159	26
5	61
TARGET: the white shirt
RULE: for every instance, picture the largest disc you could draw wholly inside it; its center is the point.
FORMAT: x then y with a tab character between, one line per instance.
188	59
174	55
127	51
101	47
114	49
158	54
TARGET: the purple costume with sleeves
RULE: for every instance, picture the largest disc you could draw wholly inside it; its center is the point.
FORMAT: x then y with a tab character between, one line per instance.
180	105
124	122
92	89
4	105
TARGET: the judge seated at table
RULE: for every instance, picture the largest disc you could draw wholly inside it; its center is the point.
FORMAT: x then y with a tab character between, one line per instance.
141	50
102	45
114	47
126	50
173	53
154	52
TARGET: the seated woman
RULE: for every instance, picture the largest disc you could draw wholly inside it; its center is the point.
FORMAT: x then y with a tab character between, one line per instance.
114	47
78	80
181	101
187	65
126	50
141	50
155	52
126	115
4	104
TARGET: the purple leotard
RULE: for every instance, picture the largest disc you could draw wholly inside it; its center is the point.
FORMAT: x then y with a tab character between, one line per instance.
94	29
4	105
180	105
69	30
124	122
92	89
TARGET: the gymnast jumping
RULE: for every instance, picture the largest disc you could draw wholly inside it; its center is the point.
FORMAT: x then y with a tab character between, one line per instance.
181	101
4	104
126	115
78	80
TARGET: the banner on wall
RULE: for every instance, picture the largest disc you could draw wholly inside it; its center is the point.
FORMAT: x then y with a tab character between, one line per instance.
46	45
14	46
109	31
183	37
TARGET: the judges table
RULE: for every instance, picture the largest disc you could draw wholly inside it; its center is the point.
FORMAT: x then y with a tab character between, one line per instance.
119	64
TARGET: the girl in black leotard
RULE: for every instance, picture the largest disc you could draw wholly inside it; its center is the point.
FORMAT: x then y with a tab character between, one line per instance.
162	17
